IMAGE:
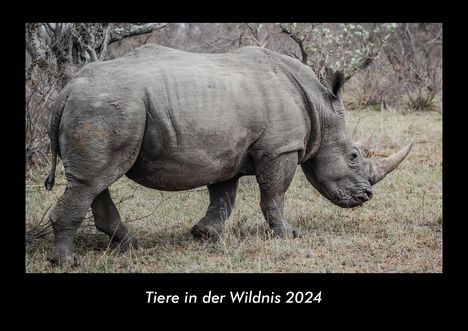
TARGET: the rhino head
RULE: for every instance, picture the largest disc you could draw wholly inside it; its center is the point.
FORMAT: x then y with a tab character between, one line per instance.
339	170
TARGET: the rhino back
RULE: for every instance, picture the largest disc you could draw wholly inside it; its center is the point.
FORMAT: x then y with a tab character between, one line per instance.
205	113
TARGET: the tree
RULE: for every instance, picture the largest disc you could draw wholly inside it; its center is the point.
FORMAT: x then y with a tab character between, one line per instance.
415	53
346	47
71	45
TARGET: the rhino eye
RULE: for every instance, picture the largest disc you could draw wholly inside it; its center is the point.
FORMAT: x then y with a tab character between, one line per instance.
353	156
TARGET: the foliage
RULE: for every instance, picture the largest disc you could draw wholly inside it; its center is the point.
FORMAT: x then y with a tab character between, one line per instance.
346	47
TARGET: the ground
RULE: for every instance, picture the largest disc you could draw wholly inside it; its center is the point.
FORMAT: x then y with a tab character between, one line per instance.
398	231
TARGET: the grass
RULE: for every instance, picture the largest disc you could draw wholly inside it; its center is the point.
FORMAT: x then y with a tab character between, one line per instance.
399	230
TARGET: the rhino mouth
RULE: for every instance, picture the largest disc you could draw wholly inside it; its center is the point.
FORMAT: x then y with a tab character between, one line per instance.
351	201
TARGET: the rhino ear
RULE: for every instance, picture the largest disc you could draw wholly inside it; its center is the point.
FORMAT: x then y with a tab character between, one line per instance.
335	81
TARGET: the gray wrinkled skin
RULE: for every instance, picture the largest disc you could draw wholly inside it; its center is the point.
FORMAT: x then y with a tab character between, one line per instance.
172	120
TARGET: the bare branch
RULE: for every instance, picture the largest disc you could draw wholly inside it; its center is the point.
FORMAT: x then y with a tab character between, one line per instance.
364	63
134	30
92	53
299	42
36	47
211	45
105	42
252	38
39	230
147	38
50	30
265	41
50	26
293	55
226	38
162	201
254	31
241	36
90	50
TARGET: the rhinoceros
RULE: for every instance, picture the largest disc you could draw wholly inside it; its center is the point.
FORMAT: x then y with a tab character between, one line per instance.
173	120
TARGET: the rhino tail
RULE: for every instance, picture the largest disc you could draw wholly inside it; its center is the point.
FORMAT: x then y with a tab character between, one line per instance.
55	116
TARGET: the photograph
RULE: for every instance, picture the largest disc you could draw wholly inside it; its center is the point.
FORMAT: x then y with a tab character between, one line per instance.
233	148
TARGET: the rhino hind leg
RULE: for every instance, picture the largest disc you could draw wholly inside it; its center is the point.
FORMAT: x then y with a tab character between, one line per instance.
95	154
107	219
66	218
71	208
222	198
274	175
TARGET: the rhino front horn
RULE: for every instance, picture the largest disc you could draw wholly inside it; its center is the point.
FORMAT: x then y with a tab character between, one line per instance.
383	166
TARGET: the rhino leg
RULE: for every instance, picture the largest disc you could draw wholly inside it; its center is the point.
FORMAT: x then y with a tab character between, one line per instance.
95	154
107	220
274	175
66	218
222	198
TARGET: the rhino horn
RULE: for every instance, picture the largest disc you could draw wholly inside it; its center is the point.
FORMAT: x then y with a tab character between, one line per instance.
379	168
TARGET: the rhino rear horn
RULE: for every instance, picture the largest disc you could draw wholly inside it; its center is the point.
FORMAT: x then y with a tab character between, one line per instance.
383	166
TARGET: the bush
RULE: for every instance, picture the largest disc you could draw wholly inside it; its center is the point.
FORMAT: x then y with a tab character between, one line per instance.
422	101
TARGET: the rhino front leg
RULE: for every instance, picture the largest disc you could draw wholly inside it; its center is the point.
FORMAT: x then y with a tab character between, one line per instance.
222	198
274	175
107	220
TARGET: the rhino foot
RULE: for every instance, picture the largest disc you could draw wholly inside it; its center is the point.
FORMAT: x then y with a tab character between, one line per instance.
285	231
125	244
207	229
61	257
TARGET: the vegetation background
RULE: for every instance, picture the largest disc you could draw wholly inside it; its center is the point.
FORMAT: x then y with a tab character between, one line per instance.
393	94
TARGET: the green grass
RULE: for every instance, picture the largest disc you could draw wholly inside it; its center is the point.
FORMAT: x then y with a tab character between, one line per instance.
399	230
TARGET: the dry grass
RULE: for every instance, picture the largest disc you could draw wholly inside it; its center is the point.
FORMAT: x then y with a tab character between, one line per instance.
399	230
